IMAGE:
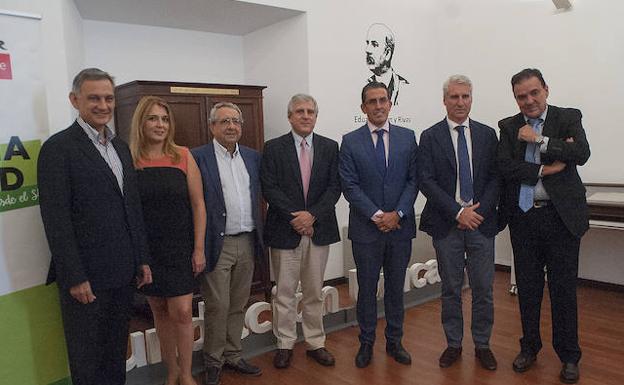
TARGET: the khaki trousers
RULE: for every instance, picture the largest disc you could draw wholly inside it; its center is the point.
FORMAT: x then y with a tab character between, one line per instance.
226	292
306	263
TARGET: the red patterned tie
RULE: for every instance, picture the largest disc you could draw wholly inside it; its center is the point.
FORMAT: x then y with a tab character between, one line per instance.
306	167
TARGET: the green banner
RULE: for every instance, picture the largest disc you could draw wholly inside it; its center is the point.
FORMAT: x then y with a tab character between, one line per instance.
18	174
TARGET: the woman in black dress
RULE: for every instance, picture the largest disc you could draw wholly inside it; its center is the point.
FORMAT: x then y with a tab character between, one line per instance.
175	220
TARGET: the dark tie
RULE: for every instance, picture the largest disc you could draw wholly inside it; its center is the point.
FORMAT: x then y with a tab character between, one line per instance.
380	151
465	176
527	192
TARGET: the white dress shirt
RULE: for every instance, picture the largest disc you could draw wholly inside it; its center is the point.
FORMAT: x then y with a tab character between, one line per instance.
454	139
236	190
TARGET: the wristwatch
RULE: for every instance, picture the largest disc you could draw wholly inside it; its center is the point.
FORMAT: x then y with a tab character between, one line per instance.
539	140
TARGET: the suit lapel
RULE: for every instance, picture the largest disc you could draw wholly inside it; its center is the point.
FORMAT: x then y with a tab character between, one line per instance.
213	173
93	155
520	147
369	147
550	127
478	141
290	156
317	160
443	136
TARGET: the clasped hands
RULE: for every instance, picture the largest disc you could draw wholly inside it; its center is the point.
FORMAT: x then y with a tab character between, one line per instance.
303	222
387	221
469	219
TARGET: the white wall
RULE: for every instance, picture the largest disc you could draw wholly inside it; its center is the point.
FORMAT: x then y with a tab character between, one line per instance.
137	52
277	57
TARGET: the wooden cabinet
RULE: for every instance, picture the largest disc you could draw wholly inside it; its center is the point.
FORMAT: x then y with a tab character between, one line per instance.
191	104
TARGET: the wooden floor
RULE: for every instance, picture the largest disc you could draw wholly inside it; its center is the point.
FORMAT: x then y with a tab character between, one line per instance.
601	333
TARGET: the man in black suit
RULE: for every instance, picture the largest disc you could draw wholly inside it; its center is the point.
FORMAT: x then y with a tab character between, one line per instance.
544	203
93	221
457	165
301	184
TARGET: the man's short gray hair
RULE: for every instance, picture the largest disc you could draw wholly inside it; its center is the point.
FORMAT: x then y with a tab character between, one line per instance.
301	98
456	79
218	106
90	74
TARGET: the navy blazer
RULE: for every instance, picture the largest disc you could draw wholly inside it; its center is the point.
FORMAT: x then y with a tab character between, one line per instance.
565	189
283	190
437	167
95	232
368	190
215	204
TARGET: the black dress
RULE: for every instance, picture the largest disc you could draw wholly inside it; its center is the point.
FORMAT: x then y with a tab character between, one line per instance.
169	226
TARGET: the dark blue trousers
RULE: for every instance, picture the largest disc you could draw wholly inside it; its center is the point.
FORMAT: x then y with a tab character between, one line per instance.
393	256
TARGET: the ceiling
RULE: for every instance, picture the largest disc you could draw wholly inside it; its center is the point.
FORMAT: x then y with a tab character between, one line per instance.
219	16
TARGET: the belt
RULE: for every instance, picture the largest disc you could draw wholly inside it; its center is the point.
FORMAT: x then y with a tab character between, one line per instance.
239	234
541	203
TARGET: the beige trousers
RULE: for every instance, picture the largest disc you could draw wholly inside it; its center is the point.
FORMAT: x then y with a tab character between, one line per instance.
226	292
306	263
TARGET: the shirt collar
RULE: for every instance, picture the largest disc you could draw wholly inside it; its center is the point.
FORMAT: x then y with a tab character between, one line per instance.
298	138
452	124
222	151
542	116
94	134
373	128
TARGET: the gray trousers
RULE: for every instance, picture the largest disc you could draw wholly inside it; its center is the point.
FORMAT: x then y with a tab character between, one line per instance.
226	292
471	250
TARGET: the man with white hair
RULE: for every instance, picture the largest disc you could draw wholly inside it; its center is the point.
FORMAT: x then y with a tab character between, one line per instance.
457	165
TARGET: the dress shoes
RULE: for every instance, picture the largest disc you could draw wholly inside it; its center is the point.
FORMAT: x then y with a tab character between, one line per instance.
398	352
569	373
364	356
486	358
449	356
322	356
282	358
523	362
212	376
244	367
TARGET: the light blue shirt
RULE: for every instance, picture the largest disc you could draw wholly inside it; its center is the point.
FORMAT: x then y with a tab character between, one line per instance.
540	191
298	139
104	145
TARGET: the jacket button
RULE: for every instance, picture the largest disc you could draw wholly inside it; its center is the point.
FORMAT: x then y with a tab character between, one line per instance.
223	214
222	234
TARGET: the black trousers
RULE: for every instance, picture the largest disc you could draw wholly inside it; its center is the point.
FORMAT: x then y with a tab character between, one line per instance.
540	239
97	336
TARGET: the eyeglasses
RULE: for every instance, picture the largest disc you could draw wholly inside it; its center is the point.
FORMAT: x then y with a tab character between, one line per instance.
227	121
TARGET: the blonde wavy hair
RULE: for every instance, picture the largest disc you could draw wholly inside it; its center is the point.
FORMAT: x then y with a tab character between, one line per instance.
137	138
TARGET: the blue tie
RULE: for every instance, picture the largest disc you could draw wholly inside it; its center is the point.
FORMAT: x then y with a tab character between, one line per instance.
380	152
527	192
465	176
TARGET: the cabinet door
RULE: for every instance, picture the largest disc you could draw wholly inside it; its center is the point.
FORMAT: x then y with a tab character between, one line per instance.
190	120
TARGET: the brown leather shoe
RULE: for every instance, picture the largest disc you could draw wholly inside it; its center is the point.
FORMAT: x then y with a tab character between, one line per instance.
282	358
569	373
523	362
486	358
449	356
322	356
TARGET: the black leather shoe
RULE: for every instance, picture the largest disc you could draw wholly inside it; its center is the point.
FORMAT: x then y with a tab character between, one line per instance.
569	373
282	358
364	356
322	356
398	352
244	367
449	356
523	362
486	358
212	376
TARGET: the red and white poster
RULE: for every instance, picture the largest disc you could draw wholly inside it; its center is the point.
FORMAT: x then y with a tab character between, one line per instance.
5	66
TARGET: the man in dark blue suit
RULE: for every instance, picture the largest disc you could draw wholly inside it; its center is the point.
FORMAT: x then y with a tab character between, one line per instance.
231	176
457	166
91	211
379	179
